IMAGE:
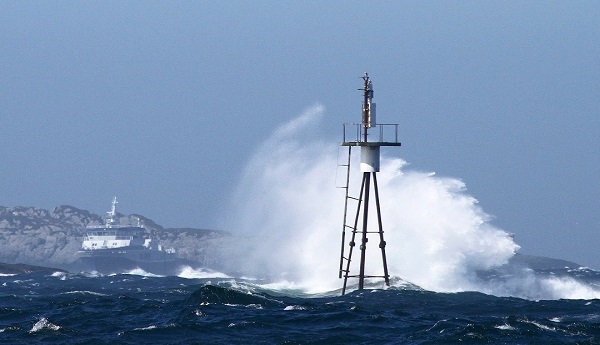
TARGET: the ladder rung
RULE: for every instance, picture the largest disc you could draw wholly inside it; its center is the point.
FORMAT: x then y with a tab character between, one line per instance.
350	227
351	197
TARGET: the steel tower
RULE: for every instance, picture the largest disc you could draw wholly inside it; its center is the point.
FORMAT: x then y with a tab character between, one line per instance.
370	140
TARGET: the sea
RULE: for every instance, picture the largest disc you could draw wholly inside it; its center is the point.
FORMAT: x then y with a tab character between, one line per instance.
212	308
276	280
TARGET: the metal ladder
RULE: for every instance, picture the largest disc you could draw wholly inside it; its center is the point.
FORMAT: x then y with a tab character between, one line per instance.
344	272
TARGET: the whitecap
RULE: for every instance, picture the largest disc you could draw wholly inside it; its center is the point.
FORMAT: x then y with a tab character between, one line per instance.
188	272
505	327
141	272
92	274
43	324
60	275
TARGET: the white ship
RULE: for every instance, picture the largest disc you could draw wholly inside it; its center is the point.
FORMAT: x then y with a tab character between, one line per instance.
114	248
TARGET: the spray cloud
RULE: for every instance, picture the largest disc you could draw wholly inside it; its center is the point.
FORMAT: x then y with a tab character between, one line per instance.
289	216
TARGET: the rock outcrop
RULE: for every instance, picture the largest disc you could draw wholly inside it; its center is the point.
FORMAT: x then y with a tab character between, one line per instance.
52	237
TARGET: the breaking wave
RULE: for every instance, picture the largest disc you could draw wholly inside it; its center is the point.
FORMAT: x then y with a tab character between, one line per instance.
202	273
288	217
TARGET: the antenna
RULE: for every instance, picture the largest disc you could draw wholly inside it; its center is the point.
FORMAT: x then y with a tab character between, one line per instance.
369	166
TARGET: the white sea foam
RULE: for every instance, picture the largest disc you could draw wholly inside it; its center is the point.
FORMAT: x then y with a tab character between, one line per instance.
60	275
85	292
201	273
505	327
288	215
43	324
540	326
568	288
141	272
281	285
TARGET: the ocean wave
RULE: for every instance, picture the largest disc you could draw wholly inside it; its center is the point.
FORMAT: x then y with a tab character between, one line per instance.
141	272
43	324
212	294
200	273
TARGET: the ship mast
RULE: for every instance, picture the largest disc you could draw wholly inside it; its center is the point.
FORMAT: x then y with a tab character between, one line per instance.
112	213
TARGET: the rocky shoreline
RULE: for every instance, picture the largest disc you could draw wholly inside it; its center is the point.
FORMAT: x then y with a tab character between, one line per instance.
10	269
33	239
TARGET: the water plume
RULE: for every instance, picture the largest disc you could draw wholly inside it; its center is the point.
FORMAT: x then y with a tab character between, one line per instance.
287	214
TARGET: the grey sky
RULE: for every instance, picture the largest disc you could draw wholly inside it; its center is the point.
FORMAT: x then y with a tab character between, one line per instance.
161	103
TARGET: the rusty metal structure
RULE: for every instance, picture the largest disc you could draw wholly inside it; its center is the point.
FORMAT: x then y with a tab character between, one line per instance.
370	136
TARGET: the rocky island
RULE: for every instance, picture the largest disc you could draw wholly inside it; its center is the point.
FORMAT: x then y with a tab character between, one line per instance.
32	238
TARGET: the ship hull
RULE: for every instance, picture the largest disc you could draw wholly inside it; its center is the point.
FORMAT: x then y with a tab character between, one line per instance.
109	261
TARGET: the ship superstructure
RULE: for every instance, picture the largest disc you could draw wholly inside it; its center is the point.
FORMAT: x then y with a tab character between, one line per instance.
112	235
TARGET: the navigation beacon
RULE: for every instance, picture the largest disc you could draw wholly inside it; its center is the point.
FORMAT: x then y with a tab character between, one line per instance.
370	137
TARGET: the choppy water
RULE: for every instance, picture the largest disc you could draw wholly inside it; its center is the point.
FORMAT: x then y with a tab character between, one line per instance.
134	309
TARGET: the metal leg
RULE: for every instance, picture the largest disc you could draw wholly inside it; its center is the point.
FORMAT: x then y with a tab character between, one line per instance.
363	246
381	240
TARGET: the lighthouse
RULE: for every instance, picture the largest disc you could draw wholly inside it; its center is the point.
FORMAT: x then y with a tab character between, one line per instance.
370	136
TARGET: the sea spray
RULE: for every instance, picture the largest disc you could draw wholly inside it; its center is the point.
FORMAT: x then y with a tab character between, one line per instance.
438	236
287	215
285	210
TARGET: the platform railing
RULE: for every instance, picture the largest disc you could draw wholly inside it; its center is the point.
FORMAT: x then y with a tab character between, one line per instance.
387	132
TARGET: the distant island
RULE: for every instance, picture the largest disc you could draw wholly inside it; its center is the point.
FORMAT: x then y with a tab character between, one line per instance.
35	239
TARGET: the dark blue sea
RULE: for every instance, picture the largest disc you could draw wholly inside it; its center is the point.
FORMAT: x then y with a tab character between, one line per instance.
66	308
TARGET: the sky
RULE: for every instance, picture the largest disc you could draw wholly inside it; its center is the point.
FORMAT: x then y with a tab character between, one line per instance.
162	103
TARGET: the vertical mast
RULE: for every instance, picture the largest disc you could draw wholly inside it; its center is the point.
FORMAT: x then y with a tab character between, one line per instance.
366	107
112	213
